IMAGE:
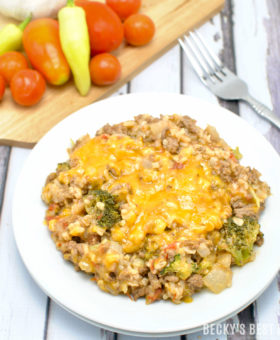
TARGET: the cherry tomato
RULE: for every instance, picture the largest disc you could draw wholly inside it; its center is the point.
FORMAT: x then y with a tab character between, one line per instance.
104	26
11	63
27	87
2	87
105	69
139	29
124	8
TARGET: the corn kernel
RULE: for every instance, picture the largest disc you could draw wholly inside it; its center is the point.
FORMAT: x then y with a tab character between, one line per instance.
66	236
52	225
77	231
110	259
85	266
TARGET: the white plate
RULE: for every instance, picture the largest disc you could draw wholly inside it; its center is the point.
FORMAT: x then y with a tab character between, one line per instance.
75	291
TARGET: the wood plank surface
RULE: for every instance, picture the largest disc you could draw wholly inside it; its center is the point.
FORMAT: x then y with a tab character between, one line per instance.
25	126
22	303
272	26
4	160
127	337
59	317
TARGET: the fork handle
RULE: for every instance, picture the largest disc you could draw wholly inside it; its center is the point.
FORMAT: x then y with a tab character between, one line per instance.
262	110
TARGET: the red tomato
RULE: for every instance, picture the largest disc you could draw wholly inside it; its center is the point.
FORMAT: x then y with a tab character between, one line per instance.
139	29
27	87
2	87
11	63
105	69
124	8
105	27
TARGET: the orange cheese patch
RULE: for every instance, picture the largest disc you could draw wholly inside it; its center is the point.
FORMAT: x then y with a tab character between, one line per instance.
169	198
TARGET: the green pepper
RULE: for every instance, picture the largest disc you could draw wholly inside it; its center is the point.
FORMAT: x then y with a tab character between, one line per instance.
11	36
75	44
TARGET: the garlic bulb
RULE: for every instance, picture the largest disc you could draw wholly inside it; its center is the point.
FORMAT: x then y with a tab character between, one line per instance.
20	9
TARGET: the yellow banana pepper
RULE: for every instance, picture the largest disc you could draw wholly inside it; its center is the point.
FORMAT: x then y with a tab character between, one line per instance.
11	36
75	44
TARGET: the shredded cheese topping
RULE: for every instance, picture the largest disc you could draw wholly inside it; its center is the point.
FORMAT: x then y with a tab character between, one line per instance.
166	200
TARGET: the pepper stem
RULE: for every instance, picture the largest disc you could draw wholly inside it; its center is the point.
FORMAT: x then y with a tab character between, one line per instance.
25	22
70	3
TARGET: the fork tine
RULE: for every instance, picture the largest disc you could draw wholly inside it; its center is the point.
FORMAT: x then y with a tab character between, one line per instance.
204	52
196	52
207	52
196	66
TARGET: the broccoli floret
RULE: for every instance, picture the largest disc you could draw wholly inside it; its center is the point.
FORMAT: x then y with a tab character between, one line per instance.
195	267
237	153
239	240
108	212
62	167
178	266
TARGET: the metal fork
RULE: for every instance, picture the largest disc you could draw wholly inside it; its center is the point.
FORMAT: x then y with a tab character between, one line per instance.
218	78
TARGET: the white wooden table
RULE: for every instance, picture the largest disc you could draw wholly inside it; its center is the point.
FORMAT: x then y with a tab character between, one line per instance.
247	36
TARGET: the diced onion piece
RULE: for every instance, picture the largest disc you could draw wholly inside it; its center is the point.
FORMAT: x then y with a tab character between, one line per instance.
218	278
224	259
203	250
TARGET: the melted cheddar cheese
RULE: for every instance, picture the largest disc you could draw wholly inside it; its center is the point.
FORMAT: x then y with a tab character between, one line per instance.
165	200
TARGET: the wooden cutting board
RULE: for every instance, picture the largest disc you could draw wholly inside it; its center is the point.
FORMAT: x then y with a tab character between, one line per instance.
25	126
